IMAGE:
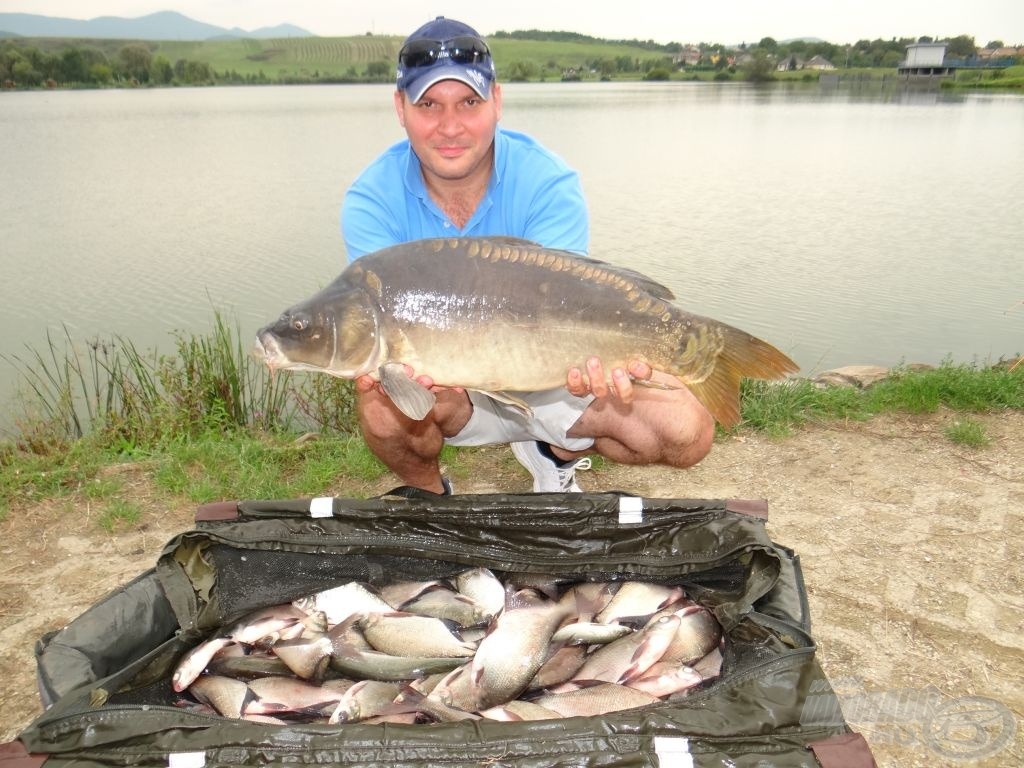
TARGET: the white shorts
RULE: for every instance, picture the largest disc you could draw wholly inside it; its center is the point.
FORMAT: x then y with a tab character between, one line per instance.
554	413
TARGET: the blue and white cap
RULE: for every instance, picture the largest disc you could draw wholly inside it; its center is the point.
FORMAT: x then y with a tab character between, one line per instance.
444	49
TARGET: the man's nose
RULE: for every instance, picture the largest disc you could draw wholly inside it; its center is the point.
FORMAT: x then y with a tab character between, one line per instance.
450	123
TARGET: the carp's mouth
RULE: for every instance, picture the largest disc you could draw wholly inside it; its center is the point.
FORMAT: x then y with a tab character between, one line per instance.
267	349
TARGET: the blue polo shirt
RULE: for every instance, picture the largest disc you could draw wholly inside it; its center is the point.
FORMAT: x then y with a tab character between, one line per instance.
532	194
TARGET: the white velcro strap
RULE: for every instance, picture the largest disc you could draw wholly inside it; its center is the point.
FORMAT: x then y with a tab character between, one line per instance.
321	506
186	760
673	752
631	510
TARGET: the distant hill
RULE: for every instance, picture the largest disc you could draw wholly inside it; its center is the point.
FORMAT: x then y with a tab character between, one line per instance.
166	25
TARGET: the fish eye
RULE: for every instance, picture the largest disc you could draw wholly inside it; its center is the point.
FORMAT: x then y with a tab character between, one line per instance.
300	323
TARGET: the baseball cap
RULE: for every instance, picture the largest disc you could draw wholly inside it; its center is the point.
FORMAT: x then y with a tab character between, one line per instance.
444	49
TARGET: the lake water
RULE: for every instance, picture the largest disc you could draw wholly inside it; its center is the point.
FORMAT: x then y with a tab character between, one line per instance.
845	224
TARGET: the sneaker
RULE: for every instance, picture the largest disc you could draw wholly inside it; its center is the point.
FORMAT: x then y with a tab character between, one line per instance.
548	475
413	492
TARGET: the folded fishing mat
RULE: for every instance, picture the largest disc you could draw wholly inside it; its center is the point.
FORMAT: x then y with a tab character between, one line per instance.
474	630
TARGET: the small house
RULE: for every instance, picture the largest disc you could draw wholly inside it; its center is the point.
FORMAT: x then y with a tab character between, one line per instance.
819	62
688	57
790	64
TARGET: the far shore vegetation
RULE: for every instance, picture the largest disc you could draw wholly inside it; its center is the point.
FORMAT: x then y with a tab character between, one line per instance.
208	422
520	56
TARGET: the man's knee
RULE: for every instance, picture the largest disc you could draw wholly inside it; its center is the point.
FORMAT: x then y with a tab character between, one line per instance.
694	436
379	418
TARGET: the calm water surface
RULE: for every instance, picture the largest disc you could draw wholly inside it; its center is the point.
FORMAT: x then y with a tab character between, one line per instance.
843	225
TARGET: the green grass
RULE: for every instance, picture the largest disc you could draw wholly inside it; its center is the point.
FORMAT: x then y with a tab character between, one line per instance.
251	465
119	514
30	476
967	432
1011	77
99	488
776	408
957	387
293	56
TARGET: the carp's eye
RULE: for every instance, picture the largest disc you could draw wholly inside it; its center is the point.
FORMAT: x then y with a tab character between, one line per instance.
299	322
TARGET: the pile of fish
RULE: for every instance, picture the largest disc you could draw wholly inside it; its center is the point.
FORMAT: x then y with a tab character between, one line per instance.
466	648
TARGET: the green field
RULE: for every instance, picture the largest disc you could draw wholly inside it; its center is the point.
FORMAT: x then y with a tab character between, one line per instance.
337	55
292	56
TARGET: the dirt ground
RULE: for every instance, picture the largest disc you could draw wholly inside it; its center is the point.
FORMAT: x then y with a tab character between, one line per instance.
911	549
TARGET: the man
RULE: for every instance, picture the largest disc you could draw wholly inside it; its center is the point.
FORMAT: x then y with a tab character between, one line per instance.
458	174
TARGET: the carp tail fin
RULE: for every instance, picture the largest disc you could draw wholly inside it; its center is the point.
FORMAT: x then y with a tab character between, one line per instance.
741	356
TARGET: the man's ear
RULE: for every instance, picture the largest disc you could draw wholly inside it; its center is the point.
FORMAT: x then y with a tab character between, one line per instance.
496	98
400	107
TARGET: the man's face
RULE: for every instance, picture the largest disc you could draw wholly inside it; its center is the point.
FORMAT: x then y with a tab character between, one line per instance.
451	128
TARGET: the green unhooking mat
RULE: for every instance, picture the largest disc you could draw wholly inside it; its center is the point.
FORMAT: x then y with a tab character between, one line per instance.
105	678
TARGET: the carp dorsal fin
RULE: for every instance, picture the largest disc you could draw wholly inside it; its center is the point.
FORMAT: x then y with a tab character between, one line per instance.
411	398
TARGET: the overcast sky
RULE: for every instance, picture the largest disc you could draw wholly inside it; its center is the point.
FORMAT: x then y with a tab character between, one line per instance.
683	21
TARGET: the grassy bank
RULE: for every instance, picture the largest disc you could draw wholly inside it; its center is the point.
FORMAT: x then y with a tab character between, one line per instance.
1009	78
207	422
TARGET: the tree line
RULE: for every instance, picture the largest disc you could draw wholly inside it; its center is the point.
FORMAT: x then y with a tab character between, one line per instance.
863	53
134	63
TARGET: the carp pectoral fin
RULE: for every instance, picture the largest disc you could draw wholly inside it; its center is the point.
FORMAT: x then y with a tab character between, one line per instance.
409	397
509	399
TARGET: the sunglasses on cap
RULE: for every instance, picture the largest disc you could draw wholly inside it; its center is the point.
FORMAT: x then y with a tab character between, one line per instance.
461	50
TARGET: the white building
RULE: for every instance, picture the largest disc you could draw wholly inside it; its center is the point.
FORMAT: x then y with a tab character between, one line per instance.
925	59
925	55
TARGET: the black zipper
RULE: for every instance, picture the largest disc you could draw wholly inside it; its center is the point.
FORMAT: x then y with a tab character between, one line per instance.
435	548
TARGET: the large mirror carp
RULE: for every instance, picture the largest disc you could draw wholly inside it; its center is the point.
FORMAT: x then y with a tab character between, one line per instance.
500	316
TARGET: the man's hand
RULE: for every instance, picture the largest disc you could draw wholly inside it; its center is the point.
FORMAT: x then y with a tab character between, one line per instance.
594	382
365	383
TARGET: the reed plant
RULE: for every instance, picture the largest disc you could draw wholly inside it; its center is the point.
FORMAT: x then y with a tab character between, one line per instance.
122	397
215	422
